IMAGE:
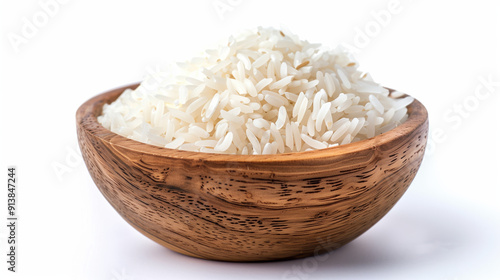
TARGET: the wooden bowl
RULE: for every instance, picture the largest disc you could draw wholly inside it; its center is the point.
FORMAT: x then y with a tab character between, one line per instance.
257	207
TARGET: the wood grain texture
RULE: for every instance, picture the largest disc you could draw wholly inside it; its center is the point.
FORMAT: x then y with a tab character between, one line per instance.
251	208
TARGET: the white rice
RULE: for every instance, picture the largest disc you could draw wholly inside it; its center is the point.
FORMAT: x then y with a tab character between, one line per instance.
264	91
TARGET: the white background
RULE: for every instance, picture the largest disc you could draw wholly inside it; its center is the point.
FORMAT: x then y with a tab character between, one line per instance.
446	226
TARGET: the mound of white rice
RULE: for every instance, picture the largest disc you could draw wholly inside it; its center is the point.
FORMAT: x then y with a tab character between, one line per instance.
263	92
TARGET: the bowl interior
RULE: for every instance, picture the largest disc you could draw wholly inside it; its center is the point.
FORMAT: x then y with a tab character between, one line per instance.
90	110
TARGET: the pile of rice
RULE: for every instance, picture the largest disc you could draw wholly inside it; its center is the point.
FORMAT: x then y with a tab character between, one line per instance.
265	91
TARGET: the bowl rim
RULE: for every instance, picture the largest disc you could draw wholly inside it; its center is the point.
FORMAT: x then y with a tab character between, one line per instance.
87	113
